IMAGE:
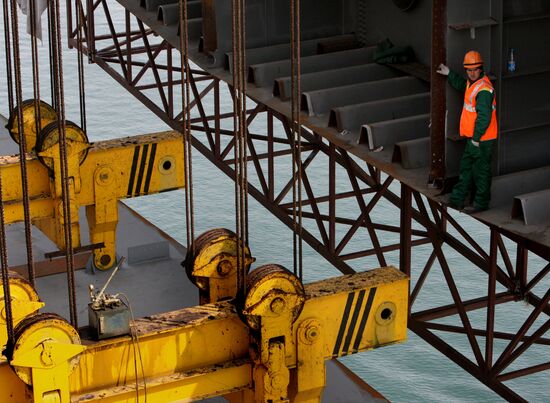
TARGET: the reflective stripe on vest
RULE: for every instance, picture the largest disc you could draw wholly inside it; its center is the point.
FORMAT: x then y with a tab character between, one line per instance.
469	113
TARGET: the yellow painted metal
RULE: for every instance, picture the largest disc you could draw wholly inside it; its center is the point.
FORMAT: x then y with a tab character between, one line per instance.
113	170
274	301
310	374
45	352
346	314
207	350
182	387
12	389
47	115
47	147
24	302
363	293
48	151
212	264
44	341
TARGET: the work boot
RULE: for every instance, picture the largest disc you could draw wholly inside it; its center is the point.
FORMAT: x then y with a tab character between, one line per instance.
474	209
458	207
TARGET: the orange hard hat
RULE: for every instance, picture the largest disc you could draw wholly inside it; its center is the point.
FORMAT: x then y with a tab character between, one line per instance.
472	59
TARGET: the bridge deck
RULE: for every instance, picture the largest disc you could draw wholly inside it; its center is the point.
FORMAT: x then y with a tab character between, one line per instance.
341	90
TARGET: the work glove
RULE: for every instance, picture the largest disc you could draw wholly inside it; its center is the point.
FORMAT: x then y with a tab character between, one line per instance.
443	70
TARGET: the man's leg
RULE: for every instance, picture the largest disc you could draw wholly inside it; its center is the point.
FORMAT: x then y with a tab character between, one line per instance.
482	174
461	189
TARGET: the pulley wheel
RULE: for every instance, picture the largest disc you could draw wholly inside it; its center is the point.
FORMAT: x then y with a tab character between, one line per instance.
24	302
20	288
47	115
36	329
201	243
50	137
273	278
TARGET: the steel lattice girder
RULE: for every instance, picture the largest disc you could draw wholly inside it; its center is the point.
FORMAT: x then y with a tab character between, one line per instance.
513	278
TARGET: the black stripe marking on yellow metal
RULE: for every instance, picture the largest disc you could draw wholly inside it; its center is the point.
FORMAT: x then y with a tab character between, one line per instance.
150	168
343	324
364	319
351	329
142	168
133	171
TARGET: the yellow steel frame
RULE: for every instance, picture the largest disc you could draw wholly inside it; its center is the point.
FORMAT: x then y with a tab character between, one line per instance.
24	302
208	350
113	170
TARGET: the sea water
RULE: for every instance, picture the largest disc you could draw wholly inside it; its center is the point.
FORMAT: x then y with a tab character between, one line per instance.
412	371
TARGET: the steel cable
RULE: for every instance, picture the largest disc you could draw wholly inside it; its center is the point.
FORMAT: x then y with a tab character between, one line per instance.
244	123
236	128
186	123
4	268
22	139
38	124
50	53
240	138
295	39
80	61
9	77
66	204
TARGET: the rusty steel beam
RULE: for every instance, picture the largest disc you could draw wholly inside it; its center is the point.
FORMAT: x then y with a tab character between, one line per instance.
491	297
438	102
481	332
524	371
496	385
406	230
451	283
423	275
470	305
366	187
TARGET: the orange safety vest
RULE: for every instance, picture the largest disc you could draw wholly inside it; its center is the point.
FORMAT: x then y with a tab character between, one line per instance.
469	114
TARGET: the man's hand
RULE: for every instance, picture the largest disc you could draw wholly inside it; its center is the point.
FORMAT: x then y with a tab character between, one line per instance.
443	70
473	148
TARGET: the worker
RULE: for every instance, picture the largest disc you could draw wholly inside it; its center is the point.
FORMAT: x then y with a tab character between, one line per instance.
478	123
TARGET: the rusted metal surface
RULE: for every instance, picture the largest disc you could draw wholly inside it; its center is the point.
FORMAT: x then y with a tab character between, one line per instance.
352	282
438	94
366	188
209	39
48	267
188	317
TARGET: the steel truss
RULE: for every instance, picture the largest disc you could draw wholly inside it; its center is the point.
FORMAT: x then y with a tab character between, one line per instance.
130	55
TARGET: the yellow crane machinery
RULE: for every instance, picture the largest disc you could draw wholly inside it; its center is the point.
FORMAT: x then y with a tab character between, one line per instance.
99	174
24	302
269	347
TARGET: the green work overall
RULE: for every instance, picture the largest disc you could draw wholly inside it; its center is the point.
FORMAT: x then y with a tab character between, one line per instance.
475	165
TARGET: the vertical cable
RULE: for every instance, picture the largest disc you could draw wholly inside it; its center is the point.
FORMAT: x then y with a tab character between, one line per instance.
186	114
9	78
37	117
295	39
80	55
240	137
50	53
235	63
22	139
4	268
3	244
60	103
